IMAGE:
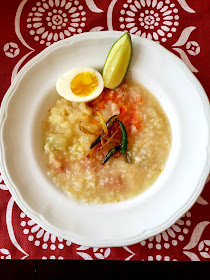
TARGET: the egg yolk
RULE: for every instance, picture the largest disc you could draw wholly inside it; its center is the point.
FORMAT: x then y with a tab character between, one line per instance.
83	84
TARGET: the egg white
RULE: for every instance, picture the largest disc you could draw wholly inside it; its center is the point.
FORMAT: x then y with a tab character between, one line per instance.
64	89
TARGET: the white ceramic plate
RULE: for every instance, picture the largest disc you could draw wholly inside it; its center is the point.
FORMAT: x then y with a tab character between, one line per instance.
26	104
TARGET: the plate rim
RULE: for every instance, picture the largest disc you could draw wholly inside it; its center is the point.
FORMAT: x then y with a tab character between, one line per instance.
38	217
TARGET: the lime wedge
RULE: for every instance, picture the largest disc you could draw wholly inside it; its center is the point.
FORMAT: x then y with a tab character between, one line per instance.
117	62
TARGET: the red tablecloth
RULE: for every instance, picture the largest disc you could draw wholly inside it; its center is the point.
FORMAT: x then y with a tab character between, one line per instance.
27	27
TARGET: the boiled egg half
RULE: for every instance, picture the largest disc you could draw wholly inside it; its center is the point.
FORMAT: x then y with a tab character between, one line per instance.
80	84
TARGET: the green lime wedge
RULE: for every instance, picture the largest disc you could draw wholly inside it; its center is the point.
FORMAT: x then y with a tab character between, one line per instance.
117	62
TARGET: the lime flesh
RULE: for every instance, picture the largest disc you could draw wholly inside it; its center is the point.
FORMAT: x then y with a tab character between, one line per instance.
117	62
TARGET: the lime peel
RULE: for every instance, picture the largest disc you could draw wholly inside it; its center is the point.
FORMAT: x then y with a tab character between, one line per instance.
117	62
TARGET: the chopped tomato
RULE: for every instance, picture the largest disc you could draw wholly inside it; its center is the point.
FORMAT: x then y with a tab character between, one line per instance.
123	109
128	113
100	106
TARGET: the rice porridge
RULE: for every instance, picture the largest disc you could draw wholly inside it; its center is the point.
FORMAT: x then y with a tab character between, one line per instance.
72	127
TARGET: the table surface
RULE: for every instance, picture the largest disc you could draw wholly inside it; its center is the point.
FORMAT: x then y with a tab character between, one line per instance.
29	26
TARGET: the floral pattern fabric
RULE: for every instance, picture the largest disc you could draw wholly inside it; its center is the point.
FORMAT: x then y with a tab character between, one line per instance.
50	21
181	26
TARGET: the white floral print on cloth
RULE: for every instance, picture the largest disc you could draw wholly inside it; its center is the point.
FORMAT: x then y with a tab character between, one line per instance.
99	253
53	20
39	237
11	50
198	247
170	237
182	45
5	254
161	258
193	48
151	19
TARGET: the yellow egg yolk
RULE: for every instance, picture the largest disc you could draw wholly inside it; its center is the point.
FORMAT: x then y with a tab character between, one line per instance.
83	84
